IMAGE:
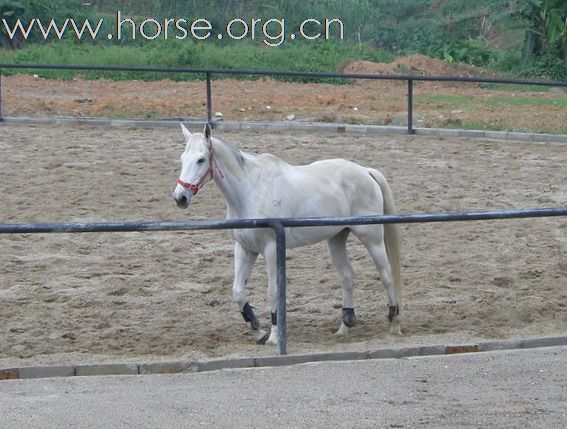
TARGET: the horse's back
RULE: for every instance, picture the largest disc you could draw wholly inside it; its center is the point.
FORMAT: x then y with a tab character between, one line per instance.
355	181
349	185
338	168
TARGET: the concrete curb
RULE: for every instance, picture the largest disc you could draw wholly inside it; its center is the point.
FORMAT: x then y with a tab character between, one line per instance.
294	126
180	367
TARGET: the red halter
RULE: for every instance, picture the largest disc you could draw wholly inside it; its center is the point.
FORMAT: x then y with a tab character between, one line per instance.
189	186
195	187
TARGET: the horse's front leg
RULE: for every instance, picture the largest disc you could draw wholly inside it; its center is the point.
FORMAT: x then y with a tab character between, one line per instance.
243	263
271	264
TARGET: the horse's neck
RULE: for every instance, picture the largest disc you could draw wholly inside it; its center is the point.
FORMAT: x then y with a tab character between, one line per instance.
232	172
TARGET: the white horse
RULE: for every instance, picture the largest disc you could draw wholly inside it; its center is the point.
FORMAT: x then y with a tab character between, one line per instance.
265	186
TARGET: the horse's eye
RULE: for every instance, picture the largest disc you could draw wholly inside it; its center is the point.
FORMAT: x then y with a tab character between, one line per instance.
201	160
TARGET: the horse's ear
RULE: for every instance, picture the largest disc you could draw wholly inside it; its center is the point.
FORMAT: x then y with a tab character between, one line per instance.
186	132
207	131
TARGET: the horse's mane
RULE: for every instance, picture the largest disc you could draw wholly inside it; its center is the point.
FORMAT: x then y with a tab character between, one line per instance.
237	153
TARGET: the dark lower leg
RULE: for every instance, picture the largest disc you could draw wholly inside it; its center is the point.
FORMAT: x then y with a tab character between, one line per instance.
249	316
349	318
393	311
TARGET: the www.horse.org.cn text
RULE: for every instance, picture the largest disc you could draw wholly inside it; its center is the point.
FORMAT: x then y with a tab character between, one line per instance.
272	32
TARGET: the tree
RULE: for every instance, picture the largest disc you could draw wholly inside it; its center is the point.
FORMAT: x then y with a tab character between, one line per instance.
546	33
10	11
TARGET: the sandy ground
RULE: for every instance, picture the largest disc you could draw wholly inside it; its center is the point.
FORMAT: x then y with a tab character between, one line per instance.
449	105
127	296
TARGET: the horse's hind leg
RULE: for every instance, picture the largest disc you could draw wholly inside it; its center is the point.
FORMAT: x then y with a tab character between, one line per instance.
243	262
339	257
372	238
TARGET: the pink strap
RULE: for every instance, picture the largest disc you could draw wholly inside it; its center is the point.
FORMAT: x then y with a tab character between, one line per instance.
189	186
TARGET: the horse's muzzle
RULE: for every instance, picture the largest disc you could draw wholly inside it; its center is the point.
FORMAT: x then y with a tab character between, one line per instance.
182	197
182	202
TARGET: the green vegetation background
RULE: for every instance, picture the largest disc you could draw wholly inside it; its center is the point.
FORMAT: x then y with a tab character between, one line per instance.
525	38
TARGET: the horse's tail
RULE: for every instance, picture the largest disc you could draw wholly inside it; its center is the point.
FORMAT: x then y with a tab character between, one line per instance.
391	233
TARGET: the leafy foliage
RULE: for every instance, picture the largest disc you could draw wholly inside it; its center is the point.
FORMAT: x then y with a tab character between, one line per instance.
10	11
452	30
310	57
545	43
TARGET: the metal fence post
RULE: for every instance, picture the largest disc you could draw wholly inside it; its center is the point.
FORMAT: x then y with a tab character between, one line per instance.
1	117
410	107
279	229
209	99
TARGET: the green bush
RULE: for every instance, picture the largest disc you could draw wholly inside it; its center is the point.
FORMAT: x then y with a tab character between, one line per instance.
507	61
472	51
317	56
546	66
376	30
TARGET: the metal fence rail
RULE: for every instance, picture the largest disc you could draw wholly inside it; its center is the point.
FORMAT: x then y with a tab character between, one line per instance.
278	225
209	72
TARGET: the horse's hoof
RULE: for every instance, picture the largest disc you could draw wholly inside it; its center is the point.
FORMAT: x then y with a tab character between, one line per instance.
343	331
396	329
273	340
262	337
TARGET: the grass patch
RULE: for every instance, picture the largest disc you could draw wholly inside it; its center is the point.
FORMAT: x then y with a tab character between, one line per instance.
514	88
317	56
518	101
447	101
476	125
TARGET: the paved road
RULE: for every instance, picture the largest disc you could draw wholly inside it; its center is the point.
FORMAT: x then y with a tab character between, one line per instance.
506	389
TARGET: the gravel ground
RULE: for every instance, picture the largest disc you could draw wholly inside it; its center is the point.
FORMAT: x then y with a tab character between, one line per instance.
506	389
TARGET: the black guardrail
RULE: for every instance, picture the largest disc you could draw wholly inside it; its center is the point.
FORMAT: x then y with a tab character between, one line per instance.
278	225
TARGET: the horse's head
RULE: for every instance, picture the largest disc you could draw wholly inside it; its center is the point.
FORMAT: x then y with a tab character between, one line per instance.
196	166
